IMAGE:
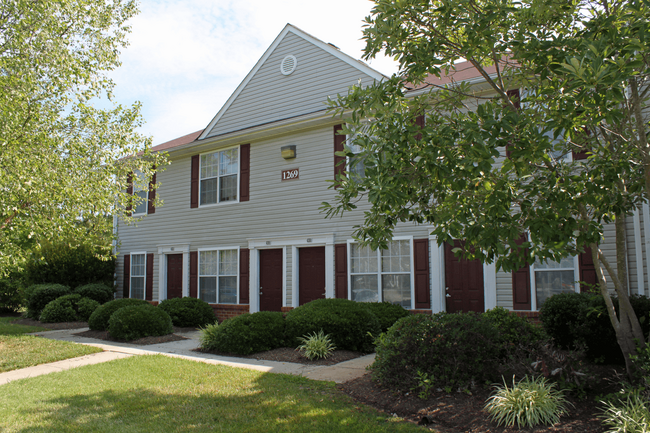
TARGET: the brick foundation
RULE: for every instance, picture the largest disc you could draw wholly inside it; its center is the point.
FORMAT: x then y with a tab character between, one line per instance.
532	316
420	311
227	311
286	309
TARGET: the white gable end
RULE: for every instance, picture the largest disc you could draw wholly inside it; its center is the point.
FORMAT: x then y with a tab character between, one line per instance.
270	94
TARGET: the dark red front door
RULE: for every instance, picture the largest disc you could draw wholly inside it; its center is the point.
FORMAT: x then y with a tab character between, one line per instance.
464	282
271	280
174	276
311	274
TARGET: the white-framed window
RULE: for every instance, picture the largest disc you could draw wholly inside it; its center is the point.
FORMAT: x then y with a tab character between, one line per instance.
382	275
141	189
218	176
356	165
219	275
138	275
549	278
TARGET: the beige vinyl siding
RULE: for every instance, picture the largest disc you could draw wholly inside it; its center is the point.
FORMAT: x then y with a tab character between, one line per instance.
271	96
276	208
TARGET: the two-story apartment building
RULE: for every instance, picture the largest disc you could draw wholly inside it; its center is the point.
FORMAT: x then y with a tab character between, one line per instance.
241	228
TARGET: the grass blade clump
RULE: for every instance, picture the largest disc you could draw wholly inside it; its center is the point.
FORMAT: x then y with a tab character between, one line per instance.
528	403
316	345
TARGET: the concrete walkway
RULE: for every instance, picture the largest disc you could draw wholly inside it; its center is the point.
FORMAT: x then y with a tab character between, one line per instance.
340	372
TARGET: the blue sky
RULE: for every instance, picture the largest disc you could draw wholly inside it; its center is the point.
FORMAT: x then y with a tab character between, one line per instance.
186	57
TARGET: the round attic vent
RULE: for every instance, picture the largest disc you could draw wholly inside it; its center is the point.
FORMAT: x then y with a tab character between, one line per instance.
288	65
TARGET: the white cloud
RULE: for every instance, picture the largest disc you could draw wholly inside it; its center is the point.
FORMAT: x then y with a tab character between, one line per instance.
186	57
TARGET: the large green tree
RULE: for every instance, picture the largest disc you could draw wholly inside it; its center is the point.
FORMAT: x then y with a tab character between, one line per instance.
64	160
491	164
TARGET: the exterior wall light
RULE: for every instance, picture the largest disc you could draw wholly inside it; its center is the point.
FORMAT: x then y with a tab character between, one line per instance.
288	152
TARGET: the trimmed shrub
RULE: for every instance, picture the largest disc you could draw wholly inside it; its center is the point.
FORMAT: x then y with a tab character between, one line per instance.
71	265
514	329
245	334
42	295
563	315
443	350
576	320
138	321
188	312
97	291
387	313
11	295
68	308
98	321
351	325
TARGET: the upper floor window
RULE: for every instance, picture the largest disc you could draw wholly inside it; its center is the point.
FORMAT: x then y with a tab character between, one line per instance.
382	275
218	176
141	189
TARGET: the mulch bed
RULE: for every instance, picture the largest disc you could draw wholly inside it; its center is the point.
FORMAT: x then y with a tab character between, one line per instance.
288	354
458	412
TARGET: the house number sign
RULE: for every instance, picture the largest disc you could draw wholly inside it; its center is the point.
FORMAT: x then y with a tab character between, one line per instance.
290	174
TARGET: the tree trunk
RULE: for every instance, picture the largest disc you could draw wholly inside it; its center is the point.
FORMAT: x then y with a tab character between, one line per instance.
621	251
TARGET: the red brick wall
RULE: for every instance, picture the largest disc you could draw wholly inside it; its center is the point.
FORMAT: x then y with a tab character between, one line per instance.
286	309
420	311
227	311
532	316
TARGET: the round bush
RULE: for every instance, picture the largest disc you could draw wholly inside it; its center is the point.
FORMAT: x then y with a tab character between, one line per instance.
97	291
68	308
42	295
386	313
138	321
246	334
562	316
441	350
351	325
575	320
188	312
514	329
98	321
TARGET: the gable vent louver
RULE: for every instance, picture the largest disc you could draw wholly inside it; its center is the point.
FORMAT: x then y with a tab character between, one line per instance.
288	65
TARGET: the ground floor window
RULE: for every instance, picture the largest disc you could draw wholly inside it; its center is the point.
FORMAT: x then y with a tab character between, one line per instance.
382	275
551	278
218	275
138	262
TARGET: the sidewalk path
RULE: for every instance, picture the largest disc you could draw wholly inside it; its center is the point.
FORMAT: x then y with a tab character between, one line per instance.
338	373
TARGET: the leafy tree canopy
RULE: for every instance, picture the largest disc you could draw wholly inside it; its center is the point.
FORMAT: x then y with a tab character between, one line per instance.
64	162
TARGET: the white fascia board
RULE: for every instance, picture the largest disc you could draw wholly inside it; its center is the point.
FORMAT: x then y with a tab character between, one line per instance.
289	28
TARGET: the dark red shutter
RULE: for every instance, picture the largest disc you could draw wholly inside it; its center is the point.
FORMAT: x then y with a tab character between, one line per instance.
245	172
419	121
152	195
514	96
339	161
194	270
577	156
194	193
521	285
127	276
129	191
341	270
244	280
149	293
421	261
587	270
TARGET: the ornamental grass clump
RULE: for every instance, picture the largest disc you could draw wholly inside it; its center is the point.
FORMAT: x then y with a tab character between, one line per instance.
629	416
527	403
316	346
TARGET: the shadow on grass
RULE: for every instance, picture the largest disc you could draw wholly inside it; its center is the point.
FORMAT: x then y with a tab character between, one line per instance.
209	402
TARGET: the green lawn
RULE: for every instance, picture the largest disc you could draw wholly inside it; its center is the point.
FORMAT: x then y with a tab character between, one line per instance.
20	351
158	393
